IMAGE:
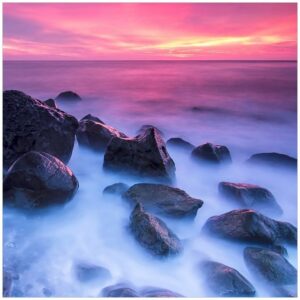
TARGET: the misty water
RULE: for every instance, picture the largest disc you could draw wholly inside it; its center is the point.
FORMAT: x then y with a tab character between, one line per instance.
250	107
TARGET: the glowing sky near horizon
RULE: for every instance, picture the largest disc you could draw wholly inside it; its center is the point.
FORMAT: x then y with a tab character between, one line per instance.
60	31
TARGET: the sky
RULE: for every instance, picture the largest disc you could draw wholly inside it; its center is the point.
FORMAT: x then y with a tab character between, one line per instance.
125	31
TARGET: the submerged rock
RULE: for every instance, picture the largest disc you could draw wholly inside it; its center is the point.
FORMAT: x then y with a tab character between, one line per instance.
163	199
117	189
250	226
273	159
92	118
153	234
210	153
38	179
29	124
96	135
225	281
250	196
119	290
270	265
88	272
68	96
156	292
145	155
180	143
51	103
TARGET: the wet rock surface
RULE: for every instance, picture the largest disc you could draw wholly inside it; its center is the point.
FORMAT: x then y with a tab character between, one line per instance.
246	225
95	135
29	124
86	272
153	292
51	103
213	154
270	265
225	281
38	179
68	96
119	290
163	199
145	155
92	118
180	144
153	234
146	127
117	189
250	196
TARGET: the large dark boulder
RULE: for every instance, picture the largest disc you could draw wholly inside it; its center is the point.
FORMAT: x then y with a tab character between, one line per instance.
145	155
92	118
163	199
156	292
250	226
38	179
96	135
51	103
225	281
250	196
86	272
116	189
153	234
213	154
146	127
270	265
119	290
29	124
273	159
68	96
180	144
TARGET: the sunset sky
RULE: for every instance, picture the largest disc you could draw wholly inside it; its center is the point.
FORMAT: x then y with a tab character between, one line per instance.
99	31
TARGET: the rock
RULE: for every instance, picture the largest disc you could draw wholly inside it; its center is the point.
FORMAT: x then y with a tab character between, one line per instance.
145	155
250	226
279	249
153	234
225	281
180	143
92	118
210	153
68	96
7	283
146	127
51	103
29	124
119	290
95	135
154	292
250	196
117	189
88	272
163	199
270	265
273	159
47	292
285	291
38	179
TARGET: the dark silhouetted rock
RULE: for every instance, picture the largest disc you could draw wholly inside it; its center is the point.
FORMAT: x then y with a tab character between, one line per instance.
119	290
250	196
146	127
7	283
95	135
210	153
68	96
225	281
38	179
88	272
273	160
155	292
250	226
145	155
180	143
163	199
92	118
29	124
153	234
51	103
117	189
270	265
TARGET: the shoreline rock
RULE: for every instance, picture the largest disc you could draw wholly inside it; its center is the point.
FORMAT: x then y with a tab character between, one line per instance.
117	189
180	144
68	96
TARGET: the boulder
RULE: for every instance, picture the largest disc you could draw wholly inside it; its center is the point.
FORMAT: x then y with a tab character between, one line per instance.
279	249
68	96
249	226
273	159
38	179
117	189
250	196
153	234
96	135
213	154
30	124
86	272
155	292
163	199
119	290
92	118
180	144
145	155
146	127
51	103
225	281
270	265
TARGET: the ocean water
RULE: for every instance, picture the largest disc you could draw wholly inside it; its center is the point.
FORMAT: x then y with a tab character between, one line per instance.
250	107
